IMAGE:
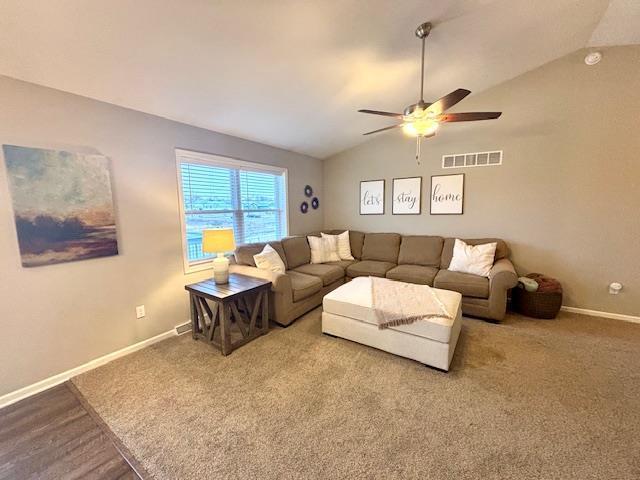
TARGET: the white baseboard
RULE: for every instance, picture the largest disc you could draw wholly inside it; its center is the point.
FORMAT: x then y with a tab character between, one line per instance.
597	313
38	387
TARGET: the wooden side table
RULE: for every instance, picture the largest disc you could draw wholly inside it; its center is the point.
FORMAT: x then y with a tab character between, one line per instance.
231	319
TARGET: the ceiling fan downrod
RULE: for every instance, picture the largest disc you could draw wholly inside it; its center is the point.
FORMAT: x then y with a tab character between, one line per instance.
422	32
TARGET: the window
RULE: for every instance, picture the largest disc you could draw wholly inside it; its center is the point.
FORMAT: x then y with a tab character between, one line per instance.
220	192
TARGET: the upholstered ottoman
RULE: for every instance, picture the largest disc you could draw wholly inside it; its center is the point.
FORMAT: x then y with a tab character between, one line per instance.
348	313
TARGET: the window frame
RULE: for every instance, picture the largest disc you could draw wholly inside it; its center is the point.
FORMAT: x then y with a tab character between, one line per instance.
216	160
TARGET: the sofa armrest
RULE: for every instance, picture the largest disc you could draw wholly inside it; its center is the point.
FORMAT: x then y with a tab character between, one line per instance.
280	282
502	275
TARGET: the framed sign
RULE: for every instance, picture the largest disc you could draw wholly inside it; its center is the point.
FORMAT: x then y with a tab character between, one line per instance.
407	196
447	194
372	197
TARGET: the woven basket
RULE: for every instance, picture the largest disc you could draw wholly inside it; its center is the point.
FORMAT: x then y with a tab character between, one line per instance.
536	304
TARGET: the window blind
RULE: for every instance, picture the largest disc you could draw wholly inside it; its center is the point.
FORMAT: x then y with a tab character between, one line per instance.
253	202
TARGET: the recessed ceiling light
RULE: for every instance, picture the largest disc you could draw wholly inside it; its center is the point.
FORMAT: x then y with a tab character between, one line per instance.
593	58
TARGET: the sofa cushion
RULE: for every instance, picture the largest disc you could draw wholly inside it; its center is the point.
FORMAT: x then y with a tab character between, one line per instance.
342	263
303	285
325	272
413	274
502	249
368	268
297	251
244	253
356	239
382	247
420	250
465	283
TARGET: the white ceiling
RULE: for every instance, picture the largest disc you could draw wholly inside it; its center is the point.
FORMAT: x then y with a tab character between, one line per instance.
620	25
288	73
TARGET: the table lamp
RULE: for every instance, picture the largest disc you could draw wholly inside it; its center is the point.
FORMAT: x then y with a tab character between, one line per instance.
219	241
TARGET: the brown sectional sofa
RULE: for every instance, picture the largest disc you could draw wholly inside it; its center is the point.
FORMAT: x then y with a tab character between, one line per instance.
409	258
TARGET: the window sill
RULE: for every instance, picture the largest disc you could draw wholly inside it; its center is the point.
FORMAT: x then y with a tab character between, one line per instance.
198	267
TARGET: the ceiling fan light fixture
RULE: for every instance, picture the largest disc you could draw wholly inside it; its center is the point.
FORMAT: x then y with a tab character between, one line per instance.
421	119
421	127
409	130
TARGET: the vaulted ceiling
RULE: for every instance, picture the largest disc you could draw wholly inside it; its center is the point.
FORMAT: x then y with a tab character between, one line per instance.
291	73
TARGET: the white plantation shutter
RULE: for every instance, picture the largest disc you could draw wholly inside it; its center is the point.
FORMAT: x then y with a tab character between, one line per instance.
221	192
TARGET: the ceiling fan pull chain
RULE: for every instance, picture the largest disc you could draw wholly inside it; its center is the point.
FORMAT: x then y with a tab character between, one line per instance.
418	138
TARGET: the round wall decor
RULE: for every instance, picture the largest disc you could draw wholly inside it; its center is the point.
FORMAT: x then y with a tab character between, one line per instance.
308	191
315	203
304	207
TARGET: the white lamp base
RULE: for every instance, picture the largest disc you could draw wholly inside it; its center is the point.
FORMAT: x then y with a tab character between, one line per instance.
221	269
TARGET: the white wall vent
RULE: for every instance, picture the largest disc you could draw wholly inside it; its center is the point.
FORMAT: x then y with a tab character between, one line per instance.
477	159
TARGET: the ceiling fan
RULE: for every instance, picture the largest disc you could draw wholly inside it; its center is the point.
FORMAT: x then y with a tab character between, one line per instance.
422	119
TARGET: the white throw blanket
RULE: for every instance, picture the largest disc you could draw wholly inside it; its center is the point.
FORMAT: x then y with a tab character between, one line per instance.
399	303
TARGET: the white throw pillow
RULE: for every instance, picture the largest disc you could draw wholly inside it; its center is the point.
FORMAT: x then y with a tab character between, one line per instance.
331	249
476	259
344	245
323	249
269	259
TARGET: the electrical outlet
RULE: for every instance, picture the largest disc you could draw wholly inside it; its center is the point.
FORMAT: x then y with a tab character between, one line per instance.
140	313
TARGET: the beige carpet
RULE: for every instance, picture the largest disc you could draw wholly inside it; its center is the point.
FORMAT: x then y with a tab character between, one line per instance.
525	399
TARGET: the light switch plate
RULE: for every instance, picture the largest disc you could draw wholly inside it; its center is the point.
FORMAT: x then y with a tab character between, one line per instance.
140	313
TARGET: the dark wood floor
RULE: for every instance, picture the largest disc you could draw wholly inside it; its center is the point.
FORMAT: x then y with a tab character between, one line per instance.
52	436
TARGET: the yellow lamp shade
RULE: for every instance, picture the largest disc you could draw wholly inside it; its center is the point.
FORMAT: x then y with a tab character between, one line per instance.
218	240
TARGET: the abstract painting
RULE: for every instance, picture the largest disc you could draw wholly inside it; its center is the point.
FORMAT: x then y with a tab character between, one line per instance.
63	205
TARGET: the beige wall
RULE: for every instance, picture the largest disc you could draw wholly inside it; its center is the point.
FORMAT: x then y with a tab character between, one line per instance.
57	317
567	198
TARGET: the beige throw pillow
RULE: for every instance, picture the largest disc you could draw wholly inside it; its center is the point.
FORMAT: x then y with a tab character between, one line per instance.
323	249
477	259
344	245
269	260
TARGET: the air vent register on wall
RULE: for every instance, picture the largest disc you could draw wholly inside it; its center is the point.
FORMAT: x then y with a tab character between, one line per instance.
476	159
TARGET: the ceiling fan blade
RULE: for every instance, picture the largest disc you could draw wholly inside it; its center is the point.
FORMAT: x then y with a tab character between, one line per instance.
448	101
468	116
386	114
383	129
